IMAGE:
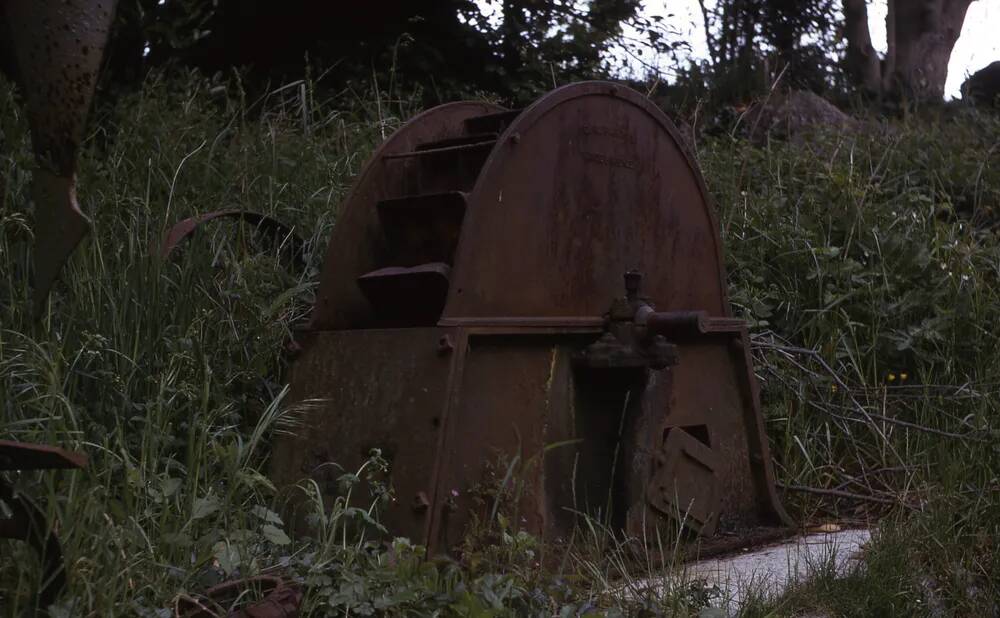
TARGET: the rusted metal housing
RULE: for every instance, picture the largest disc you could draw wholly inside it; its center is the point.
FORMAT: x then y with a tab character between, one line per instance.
472	310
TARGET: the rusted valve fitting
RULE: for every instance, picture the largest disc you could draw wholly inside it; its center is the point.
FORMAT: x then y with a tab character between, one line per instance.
628	343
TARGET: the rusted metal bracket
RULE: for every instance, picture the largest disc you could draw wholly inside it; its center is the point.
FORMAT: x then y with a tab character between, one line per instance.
282	600
26	522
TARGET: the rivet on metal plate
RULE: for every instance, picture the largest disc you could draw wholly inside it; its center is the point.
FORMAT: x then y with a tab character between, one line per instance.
445	345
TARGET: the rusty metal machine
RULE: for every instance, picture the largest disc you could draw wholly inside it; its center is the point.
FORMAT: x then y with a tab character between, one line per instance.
546	286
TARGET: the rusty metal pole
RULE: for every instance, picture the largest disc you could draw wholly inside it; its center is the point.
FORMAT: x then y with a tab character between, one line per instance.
58	46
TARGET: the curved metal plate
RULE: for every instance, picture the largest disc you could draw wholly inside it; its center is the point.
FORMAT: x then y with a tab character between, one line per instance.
589	182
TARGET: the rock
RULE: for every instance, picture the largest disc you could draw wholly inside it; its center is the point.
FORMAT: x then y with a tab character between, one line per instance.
792	115
983	86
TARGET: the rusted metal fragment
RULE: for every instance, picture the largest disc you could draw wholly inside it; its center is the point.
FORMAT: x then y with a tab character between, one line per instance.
683	324
26	522
59	46
278	231
59	228
282	600
24	456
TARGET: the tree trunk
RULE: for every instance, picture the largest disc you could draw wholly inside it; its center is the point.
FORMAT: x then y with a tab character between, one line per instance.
925	34
921	35
510	44
862	60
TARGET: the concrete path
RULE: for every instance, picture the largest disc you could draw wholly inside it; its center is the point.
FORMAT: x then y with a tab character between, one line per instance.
770	569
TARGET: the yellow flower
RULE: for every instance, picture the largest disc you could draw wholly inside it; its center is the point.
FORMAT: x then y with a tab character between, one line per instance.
892	377
903	376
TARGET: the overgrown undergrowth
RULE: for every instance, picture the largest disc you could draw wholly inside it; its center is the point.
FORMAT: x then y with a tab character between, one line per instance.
868	266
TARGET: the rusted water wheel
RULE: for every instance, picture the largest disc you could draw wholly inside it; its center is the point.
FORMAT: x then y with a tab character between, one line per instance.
463	317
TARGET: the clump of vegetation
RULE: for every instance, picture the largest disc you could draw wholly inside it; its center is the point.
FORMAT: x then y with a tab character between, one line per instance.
867	265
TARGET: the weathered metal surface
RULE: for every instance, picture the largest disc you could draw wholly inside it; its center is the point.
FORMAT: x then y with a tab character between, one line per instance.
59	46
685	481
589	182
358	242
423	228
278	231
282	599
402	296
26	522
364	389
644	414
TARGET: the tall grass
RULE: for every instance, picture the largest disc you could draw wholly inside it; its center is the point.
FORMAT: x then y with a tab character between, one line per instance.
167	373
857	261
869	267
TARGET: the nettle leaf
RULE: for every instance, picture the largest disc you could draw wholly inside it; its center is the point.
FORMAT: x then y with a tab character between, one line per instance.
267	515
203	507
275	535
363	515
170	487
253	478
227	556
346	481
179	539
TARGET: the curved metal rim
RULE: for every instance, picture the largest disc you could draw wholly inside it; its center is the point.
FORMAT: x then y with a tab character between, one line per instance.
184	229
524	121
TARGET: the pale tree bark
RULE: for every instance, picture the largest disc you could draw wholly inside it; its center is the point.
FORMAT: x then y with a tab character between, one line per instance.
889	64
926	32
863	63
921	35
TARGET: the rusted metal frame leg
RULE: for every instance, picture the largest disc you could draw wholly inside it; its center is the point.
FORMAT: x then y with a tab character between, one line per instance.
464	331
27	523
756	436
458	340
